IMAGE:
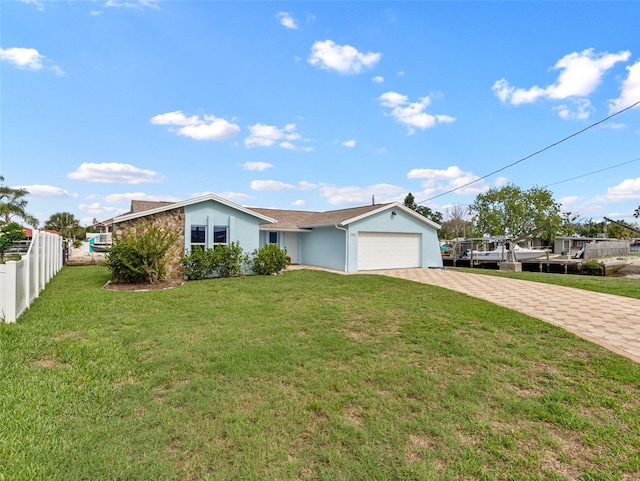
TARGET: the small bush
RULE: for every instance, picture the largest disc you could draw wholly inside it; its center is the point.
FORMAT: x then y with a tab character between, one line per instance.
229	261
268	260
197	265
141	256
224	261
593	268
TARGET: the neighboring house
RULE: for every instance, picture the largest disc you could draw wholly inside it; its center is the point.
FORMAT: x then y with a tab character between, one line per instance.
381	236
104	227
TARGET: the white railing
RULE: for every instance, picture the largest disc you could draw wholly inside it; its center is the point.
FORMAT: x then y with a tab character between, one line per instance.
21	282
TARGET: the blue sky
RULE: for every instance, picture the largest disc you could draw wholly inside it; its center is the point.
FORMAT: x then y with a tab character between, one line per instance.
317	105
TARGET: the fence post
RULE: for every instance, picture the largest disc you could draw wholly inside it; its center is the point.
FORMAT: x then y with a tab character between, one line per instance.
10	292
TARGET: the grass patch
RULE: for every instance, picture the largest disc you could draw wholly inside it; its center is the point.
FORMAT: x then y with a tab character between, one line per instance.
308	375
619	286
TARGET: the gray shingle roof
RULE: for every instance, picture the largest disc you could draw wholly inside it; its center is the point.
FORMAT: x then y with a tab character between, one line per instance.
296	219
142	205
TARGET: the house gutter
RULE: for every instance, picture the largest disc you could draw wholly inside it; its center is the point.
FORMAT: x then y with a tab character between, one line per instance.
346	246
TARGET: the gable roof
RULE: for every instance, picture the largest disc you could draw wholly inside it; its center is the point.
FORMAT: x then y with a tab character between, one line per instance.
142	205
305	220
156	208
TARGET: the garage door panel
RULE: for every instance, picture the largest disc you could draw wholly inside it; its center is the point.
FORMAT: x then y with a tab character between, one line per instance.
386	250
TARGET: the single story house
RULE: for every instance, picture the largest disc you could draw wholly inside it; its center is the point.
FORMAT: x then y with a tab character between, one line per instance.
378	236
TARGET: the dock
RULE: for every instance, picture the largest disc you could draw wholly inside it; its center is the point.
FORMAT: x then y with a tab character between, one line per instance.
553	265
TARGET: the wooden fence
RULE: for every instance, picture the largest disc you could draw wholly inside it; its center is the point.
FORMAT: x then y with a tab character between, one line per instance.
594	250
22	281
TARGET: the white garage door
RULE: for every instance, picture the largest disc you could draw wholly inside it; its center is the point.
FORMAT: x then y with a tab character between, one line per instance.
388	250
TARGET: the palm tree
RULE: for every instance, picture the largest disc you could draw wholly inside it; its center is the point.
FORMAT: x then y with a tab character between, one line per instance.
64	223
637	212
13	204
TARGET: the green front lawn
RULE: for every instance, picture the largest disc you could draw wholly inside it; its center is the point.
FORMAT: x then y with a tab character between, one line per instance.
307	375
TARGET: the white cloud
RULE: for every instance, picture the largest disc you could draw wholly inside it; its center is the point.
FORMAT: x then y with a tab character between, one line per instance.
259	166
287	20
628	189
353	195
263	135
378	79
237	197
137	4
299	203
27	59
39	5
38	191
412	114
208	127
434	180
580	110
580	74
630	91
272	185
97	209
349	143
344	59
304	185
501	181
129	196
112	172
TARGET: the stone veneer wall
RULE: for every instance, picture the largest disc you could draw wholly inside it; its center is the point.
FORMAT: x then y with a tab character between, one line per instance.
171	221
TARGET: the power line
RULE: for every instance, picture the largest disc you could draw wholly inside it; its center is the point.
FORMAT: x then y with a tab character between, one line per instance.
594	172
533	154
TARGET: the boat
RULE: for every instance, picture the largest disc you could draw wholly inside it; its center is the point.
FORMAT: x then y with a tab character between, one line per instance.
502	253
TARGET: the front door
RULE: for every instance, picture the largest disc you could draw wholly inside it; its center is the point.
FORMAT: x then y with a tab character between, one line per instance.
291	245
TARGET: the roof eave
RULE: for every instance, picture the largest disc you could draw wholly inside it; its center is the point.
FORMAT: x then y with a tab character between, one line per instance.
196	200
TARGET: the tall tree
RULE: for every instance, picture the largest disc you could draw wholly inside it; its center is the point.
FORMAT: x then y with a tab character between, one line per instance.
410	202
456	222
512	211
64	223
637	212
13	204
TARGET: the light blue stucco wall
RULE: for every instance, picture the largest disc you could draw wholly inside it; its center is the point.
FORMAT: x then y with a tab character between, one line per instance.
323	246
242	227
401	222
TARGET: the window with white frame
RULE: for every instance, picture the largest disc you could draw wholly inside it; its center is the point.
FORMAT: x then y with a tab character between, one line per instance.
220	235
273	237
198	237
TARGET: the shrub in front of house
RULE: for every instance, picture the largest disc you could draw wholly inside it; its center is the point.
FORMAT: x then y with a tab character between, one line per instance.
229	260
141	256
197	264
223	261
268	260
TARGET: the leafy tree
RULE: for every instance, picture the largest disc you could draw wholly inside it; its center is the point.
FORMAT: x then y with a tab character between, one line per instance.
9	235
512	212
13	204
570	224
64	223
455	223
410	202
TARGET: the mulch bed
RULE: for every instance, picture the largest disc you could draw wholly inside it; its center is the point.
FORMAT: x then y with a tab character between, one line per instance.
144	286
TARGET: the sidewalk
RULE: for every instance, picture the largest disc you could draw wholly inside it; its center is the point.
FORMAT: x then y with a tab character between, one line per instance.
610	321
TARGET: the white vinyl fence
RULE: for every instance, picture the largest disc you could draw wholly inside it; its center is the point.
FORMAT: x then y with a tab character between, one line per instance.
21	282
